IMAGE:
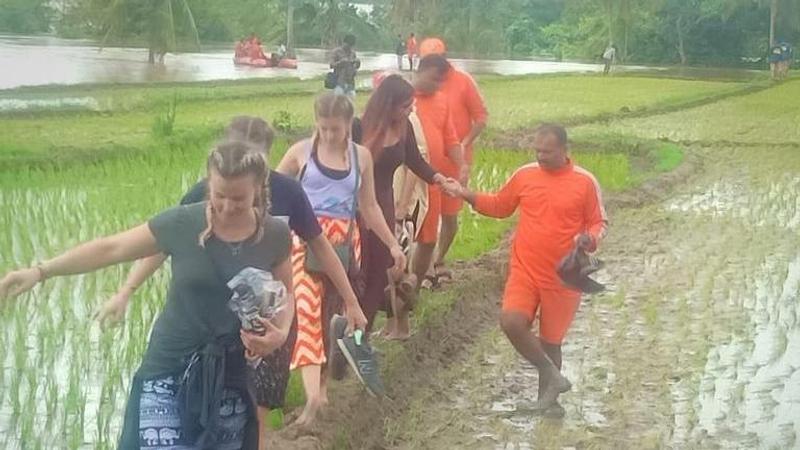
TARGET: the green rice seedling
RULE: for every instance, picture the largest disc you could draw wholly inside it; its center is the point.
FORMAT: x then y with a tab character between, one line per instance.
164	123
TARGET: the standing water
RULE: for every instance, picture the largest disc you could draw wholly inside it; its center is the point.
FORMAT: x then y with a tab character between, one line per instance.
36	61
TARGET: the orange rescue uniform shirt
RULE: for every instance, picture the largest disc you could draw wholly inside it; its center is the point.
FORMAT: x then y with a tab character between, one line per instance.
555	207
466	104
434	115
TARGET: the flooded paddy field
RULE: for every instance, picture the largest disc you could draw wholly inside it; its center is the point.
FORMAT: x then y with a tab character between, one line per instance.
695	345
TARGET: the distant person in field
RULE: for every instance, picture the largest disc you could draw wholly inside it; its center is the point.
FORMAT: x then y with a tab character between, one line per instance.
191	390
469	117
560	208
787	57
609	57
411	50
345	65
775	61
400	51
287	201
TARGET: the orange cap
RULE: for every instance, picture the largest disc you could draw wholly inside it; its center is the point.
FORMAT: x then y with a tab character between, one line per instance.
432	46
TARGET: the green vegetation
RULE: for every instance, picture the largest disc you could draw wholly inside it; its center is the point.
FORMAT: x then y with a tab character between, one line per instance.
770	116
126	124
669	156
526	101
665	31
137	171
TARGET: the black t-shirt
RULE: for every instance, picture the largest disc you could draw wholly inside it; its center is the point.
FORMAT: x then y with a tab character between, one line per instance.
288	203
196	309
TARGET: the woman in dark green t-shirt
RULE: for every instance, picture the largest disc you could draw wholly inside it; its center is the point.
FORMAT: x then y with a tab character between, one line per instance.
190	391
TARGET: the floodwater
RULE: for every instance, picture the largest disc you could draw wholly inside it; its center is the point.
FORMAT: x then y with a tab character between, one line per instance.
696	344
36	61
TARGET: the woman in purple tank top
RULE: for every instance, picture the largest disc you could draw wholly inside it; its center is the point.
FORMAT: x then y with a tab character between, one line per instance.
326	166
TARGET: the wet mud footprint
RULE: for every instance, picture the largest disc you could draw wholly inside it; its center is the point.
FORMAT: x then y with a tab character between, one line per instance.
696	344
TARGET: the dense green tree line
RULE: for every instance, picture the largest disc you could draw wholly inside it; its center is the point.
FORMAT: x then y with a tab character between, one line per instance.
655	31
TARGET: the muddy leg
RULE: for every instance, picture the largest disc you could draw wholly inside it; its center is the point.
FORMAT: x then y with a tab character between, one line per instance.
446	236
554	352
312	381
518	329
423	255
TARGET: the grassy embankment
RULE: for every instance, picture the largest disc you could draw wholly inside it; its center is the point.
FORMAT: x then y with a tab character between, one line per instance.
57	361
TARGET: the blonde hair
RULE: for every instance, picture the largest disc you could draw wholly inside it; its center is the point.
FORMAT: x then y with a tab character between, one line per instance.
332	105
232	159
253	130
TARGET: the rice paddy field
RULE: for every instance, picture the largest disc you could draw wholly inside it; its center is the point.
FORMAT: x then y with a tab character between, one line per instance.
123	121
722	249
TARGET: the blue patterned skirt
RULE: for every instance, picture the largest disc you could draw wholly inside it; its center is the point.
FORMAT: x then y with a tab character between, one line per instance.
160	421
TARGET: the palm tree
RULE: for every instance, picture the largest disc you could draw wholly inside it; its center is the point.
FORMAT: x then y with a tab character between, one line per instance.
155	19
290	26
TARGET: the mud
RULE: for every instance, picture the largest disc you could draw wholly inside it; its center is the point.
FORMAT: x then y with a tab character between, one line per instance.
434	378
357	420
696	345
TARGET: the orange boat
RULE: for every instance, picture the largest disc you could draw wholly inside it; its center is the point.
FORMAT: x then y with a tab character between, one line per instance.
284	63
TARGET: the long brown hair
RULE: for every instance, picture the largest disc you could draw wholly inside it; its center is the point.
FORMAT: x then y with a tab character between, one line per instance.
232	159
381	111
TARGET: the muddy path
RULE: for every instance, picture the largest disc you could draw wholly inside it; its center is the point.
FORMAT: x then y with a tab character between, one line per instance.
696	344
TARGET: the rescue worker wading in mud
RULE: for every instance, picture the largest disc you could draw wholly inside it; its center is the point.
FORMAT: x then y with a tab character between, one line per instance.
561	208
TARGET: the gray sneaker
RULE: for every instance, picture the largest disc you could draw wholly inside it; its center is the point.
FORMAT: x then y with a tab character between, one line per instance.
364	362
336	359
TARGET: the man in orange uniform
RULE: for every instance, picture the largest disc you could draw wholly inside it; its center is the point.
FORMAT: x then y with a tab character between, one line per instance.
444	153
469	119
561	207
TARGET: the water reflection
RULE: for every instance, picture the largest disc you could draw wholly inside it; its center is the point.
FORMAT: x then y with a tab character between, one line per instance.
42	61
749	391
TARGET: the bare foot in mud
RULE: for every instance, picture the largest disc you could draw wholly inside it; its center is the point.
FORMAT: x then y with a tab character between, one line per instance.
557	384
555	412
398	336
296	430
308	417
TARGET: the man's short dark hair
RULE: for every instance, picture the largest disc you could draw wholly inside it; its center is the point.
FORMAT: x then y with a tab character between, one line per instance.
554	129
434	61
349	39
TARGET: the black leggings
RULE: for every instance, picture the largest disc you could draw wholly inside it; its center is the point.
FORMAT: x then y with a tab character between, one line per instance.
375	261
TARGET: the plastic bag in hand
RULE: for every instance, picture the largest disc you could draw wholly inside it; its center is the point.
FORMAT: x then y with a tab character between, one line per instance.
256	294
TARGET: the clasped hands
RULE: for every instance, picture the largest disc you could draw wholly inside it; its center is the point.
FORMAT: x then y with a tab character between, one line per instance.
451	186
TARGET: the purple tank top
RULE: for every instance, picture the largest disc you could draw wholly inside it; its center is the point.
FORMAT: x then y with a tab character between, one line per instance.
330	197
